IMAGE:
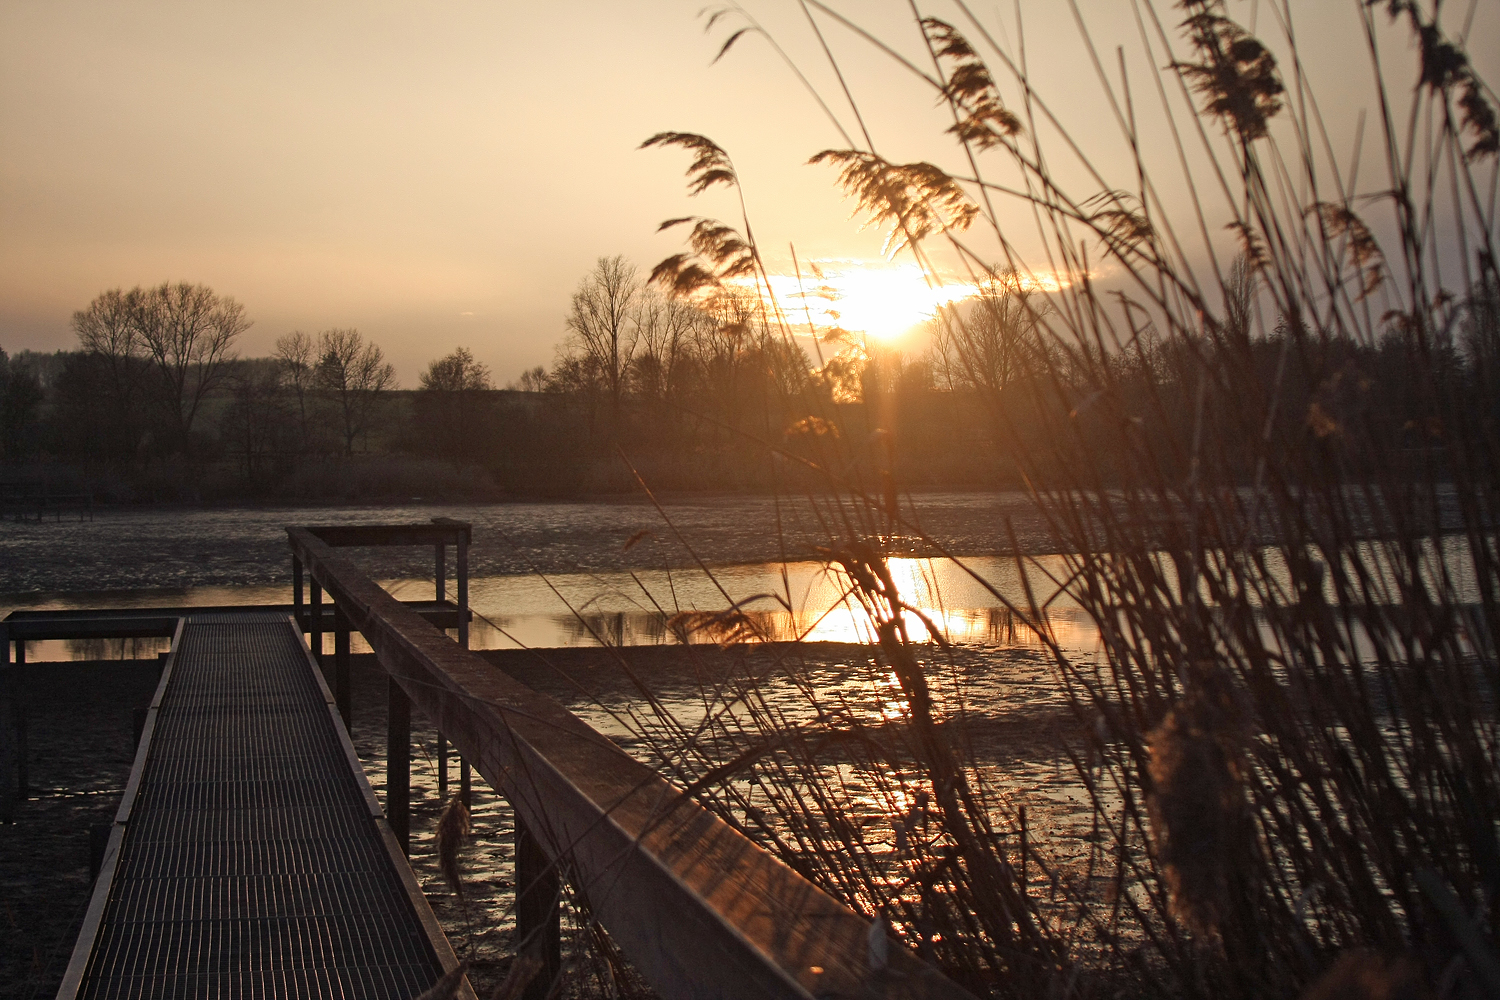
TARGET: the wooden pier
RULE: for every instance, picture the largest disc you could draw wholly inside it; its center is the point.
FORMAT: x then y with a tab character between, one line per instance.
251	858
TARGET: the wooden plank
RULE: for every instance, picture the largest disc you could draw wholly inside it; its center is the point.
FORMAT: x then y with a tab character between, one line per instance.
83	947
341	682
696	906
380	933
423	910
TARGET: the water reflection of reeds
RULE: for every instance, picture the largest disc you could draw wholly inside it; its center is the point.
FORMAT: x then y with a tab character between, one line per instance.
113	649
982	626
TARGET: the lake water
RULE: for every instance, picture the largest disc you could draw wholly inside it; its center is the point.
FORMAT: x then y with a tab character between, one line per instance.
553	576
542	575
548	575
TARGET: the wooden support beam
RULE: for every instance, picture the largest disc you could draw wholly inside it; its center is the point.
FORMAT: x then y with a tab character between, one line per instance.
398	763
315	621
341	685
23	729
442	768
538	915
440	572
297	592
463	591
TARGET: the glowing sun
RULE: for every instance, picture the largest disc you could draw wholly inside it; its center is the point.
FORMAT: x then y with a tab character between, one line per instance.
880	300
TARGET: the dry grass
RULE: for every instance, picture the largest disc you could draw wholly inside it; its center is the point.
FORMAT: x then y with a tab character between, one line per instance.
1275	486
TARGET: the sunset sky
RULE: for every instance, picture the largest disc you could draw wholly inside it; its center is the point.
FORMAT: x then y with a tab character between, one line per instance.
443	174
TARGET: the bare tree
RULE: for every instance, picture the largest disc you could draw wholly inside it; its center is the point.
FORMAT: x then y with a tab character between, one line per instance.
602	325
988	345
188	332
254	425
20	397
531	380
107	331
448	405
296	359
353	373
1239	298
724	343
107	327
665	332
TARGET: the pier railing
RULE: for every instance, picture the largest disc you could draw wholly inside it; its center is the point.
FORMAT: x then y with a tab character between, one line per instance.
698	908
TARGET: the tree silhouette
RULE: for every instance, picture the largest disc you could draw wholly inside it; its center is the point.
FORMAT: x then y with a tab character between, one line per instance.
295	360
353	373
449	404
603	326
187	331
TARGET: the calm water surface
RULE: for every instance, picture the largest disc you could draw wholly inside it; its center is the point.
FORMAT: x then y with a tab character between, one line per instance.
544	575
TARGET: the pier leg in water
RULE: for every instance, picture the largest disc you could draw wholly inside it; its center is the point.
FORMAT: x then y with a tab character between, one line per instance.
23	751
341	663
9	718
538	917
463	641
398	764
18	709
442	766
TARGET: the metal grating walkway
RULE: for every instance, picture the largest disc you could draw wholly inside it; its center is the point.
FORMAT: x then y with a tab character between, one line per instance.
250	858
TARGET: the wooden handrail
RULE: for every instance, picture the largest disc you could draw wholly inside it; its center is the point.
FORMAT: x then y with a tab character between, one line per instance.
697	907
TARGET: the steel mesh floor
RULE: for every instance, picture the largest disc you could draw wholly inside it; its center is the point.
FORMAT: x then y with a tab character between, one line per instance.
250	865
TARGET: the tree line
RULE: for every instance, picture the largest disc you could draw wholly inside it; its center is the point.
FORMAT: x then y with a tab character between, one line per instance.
156	381
709	393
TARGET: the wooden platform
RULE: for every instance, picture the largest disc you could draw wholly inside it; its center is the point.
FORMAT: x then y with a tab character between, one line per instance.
249	857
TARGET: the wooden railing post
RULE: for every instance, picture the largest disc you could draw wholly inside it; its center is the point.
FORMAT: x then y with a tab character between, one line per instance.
297	593
463	591
16	675
341	662
440	573
398	763
23	752
465	790
14	783
538	916
315	620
